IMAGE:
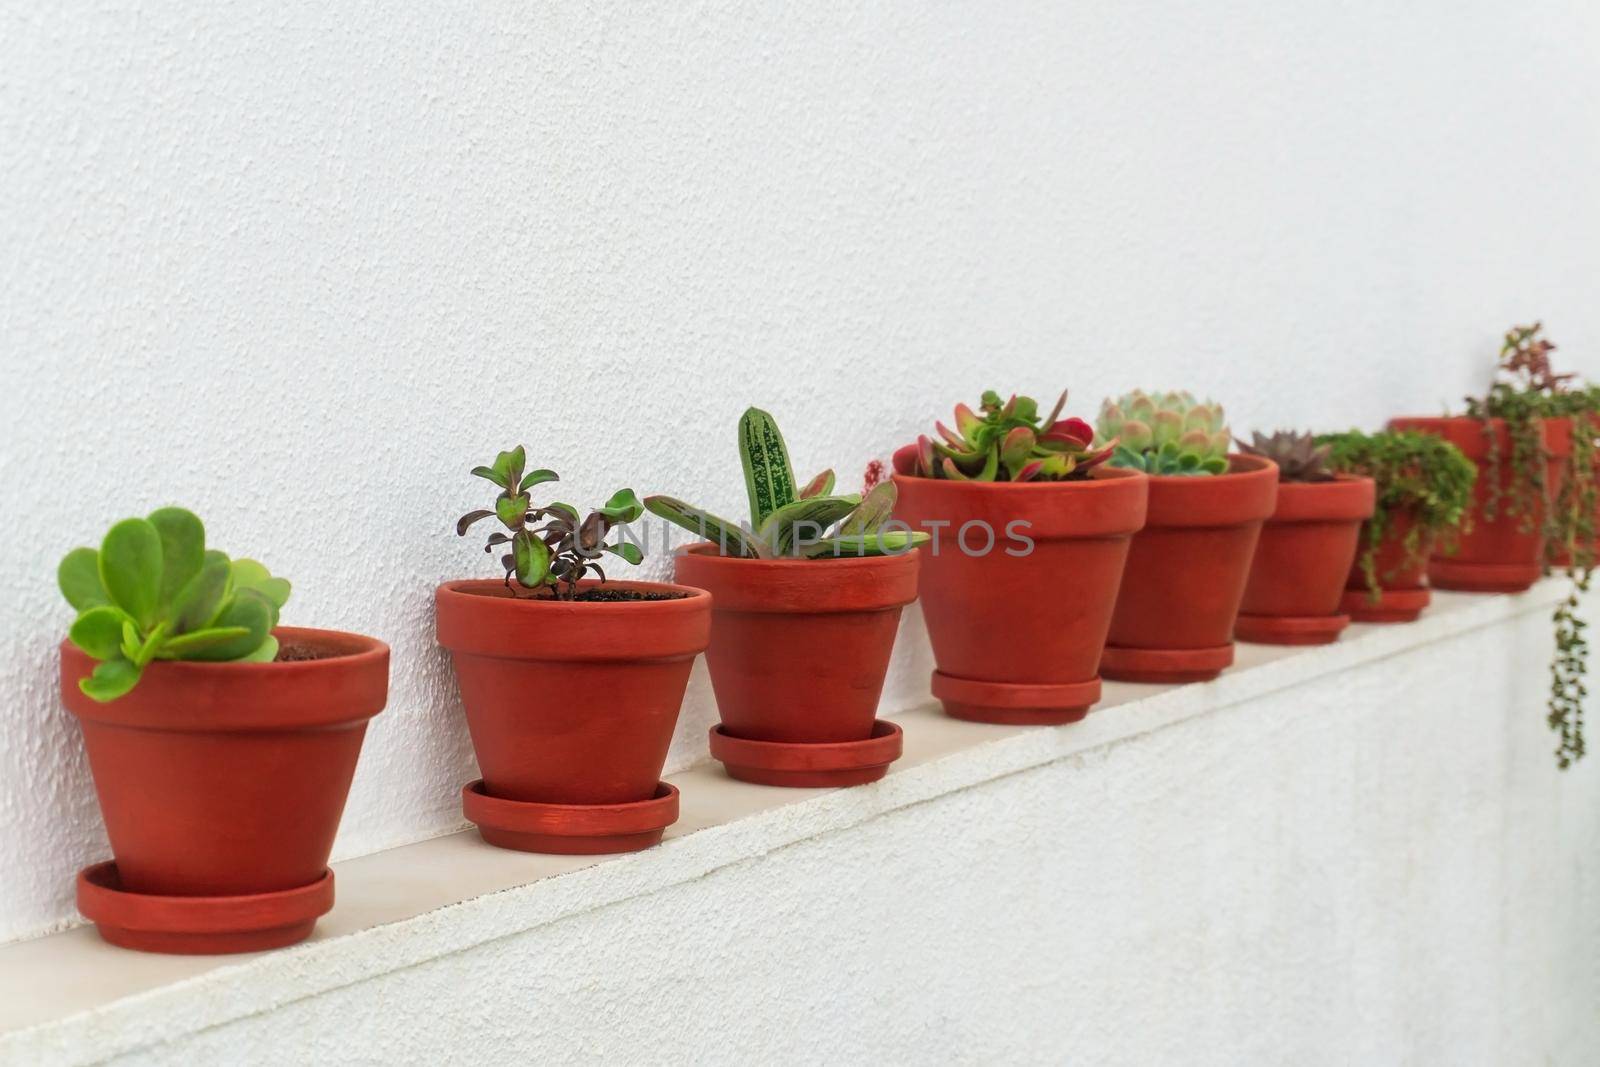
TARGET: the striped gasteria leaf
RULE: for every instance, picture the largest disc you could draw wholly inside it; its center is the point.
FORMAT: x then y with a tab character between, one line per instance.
733	540
768	477
804	520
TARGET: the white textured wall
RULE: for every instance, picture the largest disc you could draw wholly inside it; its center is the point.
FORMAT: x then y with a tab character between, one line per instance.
1377	868
299	267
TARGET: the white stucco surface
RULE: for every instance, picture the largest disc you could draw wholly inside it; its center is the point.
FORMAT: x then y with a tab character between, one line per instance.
300	267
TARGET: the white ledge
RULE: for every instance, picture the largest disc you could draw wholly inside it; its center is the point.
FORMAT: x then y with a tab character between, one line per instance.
70	998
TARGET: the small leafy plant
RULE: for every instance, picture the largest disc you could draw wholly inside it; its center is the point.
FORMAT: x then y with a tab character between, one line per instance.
1527	390
1008	442
1299	456
1416	474
791	520
1166	433
551	548
153	591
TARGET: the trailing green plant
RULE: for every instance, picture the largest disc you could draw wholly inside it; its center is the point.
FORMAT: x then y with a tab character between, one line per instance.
550	547
1007	442
788	519
1299	456
1166	433
1526	391
1416	474
154	591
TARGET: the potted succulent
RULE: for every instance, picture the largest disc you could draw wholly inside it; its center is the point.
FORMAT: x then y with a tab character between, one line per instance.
806	601
222	745
1424	485
1532	437
1187	568
571	682
1307	547
1030	529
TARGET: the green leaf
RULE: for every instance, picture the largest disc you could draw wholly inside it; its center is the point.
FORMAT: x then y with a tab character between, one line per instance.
463	523
247	610
532	558
821	485
874	511
110	680
570	512
508	465
537	477
183	549
265	652
184	645
493	475
198	602
892	542
511	510
627	550
130	569
79	579
130	639
622	507
248	574
728	535
768	477
98	631
782	530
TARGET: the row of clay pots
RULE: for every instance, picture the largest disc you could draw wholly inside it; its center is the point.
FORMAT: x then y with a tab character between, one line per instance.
222	784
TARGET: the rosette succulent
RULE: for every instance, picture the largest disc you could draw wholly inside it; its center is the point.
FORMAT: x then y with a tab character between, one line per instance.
1299	456
1166	433
1007	442
154	591
788	519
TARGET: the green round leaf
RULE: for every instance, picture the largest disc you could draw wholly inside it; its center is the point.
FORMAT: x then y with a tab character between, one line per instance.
98	631
247	610
183	548
130	569
197	602
110	680
532	559
627	550
622	507
79	579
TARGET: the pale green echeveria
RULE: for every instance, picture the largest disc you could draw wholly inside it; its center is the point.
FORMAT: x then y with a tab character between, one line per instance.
1166	433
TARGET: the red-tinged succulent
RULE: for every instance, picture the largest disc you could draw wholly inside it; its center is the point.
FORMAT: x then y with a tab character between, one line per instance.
1008	442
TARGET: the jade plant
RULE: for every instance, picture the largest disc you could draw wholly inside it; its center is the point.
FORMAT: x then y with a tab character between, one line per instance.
1006	442
1166	433
551	547
154	591
1527	390
1300	456
788	519
1418	475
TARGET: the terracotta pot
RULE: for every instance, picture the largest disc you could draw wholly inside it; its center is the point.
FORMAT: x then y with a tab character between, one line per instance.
1507	554
798	653
570	704
221	781
1017	628
1402	576
1186	574
1304	555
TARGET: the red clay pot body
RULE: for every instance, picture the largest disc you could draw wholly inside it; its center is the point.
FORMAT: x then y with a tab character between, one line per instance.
224	780
1402	576
798	653
1017	630
1297	576
1499	556
571	704
1186	574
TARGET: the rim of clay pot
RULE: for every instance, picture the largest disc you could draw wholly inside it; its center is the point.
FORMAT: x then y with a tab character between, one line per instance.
1246	493
1347	497
348	687
1466	433
1112	500
215	925
473	618
799	586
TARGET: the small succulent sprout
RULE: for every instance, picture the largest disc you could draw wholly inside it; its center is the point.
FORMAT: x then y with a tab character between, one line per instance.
791	520
550	546
154	591
1299	456
1008	442
1166	433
